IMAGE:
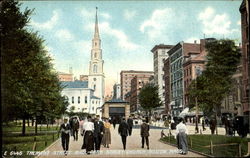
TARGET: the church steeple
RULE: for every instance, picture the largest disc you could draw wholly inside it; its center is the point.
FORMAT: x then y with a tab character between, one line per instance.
96	26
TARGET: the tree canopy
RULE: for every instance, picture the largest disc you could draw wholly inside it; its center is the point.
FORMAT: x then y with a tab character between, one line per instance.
30	86
215	83
149	97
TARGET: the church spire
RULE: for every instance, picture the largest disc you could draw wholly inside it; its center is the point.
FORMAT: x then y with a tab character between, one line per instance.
96	26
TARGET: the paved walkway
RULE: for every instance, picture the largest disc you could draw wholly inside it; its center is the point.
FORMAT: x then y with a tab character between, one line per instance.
157	148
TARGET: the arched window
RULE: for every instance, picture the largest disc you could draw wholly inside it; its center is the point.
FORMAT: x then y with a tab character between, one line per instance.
95	69
78	100
72	100
94	87
95	55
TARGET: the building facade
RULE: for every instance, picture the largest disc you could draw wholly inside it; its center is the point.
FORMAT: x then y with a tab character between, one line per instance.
136	85
65	76
167	91
126	77
117	91
244	10
176	58
159	54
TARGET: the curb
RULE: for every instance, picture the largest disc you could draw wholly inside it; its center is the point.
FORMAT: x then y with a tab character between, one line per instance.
49	146
197	152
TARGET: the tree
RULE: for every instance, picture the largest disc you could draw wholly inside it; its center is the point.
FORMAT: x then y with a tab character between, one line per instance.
30	85
149	97
216	81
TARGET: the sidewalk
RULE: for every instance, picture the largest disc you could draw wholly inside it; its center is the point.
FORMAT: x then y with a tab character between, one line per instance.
157	149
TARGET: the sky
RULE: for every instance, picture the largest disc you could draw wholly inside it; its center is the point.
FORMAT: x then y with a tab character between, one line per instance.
128	30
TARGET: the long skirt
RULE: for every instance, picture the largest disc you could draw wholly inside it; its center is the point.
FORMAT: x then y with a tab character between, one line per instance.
106	140
88	141
182	142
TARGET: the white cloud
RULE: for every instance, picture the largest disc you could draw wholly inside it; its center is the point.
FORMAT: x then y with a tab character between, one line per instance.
64	35
48	24
129	14
105	15
122	39
215	23
157	23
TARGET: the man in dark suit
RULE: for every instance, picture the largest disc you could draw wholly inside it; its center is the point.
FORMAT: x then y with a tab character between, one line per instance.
123	130
75	128
145	133
65	131
98	132
130	124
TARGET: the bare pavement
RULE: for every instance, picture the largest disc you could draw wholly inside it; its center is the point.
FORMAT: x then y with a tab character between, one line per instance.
157	148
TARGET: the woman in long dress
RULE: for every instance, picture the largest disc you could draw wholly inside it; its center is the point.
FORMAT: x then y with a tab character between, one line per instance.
107	135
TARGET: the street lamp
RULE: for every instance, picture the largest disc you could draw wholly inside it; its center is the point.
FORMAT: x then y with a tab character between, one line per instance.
198	72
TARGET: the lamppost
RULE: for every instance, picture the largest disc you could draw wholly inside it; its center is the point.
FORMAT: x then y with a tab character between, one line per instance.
198	72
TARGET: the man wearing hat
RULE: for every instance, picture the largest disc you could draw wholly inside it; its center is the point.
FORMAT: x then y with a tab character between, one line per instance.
123	130
145	133
65	131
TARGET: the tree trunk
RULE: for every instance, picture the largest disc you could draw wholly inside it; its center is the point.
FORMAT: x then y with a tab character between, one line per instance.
23	128
32	122
28	121
36	126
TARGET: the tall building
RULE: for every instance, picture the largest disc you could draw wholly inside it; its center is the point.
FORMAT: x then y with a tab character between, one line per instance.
117	91
96	74
136	85
87	95
126	77
193	63
244	10
167	91
160	53
176	57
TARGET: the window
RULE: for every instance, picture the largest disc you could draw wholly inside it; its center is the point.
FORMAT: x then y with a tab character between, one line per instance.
94	87
78	100
95	43
72	100
92	101
93	108
86	99
95	69
95	55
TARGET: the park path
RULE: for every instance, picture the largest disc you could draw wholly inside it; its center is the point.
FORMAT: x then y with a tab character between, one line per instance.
157	148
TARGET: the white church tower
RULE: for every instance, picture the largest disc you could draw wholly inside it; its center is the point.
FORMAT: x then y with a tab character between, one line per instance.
96	74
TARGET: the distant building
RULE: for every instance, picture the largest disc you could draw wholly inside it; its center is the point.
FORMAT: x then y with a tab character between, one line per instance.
126	77
244	10
136	85
176	58
65	76
160	53
117	91
83	77
108	97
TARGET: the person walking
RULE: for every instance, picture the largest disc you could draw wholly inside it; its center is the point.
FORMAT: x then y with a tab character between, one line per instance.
88	136
181	136
114	122
145	133
107	135
123	130
130	124
75	128
212	125
98	132
65	132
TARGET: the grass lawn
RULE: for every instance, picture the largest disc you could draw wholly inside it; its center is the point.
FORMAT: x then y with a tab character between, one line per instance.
13	140
201	143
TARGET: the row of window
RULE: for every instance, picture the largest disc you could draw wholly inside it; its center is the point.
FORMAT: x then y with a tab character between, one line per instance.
176	55
187	71
176	66
79	100
176	76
